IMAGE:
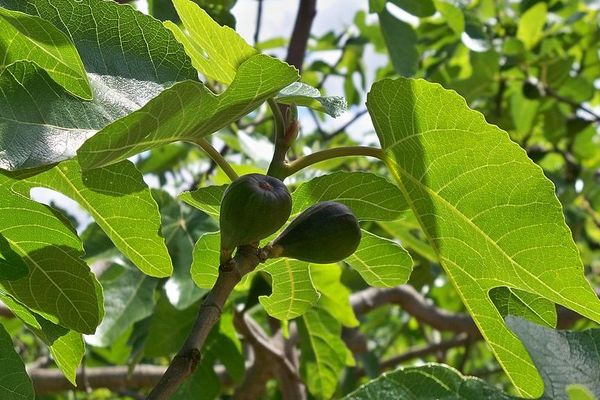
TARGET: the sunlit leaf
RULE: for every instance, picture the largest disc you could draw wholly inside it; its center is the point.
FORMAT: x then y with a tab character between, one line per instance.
187	111
301	94
57	283
119	201
216	51
369	196
488	211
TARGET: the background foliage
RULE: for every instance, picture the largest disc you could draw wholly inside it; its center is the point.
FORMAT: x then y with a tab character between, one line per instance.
453	191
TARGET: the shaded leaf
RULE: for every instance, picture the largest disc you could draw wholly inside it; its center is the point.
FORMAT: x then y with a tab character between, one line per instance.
419	8
128	298
14	381
28	37
562	357
401	42
427	382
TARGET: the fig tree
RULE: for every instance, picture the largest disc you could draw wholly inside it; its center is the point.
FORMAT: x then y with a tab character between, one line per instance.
325	233
253	207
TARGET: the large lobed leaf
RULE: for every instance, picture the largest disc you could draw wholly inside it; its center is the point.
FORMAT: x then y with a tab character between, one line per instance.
369	196
379	261
488	211
40	123
186	112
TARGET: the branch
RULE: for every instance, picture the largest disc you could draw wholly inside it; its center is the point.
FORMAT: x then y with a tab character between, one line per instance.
117	378
258	21
416	305
421	351
186	360
307	9
572	103
275	363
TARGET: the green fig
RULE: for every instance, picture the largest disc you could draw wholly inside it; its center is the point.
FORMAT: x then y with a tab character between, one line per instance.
253	207
324	233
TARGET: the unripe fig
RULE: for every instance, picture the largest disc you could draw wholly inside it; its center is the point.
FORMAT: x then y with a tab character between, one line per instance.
253	207
324	233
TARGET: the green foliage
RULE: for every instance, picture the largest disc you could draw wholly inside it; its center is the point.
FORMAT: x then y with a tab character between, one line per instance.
488	215
14	382
31	38
432	381
46	124
216	51
304	95
475	210
324	354
562	357
187	111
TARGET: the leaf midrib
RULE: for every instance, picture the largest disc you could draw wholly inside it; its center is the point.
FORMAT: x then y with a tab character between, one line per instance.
101	218
474	226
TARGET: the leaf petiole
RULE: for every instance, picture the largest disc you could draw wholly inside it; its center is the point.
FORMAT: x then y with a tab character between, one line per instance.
328	154
216	157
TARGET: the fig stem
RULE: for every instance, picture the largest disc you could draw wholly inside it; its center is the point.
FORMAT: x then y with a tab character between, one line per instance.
216	157
187	359
278	162
329	154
